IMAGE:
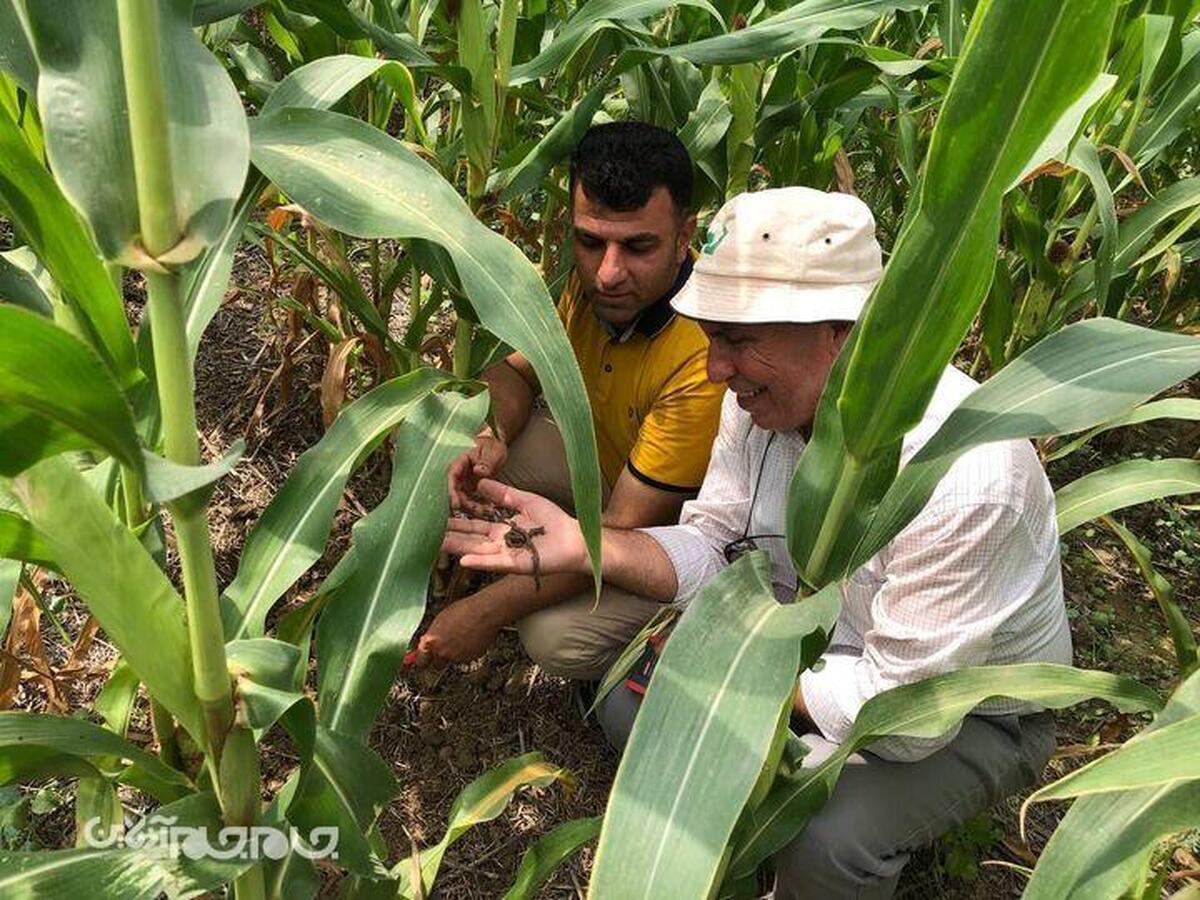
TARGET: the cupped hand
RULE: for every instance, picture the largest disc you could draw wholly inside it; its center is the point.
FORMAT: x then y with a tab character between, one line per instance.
460	633
483	545
484	460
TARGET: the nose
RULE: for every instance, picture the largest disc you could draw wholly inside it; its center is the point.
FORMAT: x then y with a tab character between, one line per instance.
720	366
612	268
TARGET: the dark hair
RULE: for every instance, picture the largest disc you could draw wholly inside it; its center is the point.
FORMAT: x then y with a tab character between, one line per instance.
621	163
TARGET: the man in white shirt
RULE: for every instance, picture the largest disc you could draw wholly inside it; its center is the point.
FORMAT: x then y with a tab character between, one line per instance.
974	579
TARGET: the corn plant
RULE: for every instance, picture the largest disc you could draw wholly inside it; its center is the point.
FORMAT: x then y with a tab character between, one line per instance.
721	693
149	148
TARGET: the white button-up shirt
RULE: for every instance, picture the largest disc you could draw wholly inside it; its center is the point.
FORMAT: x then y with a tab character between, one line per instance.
974	579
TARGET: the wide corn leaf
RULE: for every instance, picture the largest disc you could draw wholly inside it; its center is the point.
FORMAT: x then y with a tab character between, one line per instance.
703	733
1171	408
291	533
372	613
924	709
1124	484
1024	65
121	584
81	96
1102	845
20	540
1077	377
360	181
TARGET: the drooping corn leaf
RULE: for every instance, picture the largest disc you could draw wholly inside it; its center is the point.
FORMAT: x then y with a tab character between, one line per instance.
370	617
713	705
166	480
360	181
1023	66
121	584
549	852
56	394
1058	141
347	22
81	97
20	284
291	533
37	208
1124	484
1172	408
206	12
98	809
322	83
1086	158
1101	846
928	709
1172	114
82	740
1077	377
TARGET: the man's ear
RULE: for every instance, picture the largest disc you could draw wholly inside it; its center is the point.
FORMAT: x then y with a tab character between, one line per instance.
687	230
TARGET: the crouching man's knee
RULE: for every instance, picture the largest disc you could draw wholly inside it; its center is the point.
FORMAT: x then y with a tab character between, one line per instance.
562	648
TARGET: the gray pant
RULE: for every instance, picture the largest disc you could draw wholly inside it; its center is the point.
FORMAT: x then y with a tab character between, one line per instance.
881	811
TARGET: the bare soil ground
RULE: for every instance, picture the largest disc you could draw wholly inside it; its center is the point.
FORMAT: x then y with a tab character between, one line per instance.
441	730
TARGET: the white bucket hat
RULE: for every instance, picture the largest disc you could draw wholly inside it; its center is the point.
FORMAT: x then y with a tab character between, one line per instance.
784	255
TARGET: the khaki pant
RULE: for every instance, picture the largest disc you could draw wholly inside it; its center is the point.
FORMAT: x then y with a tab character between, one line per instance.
570	639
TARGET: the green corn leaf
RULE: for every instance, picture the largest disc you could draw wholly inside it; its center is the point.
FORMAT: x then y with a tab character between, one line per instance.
1058	141
1184	640
1080	376
928	709
342	782
290	536
166	481
38	210
78	739
55	394
122	585
125	873
10	576
726	672
205	12
551	850
16	55
481	801
1172	115
20	541
1172	408
84	112
1124	484
98	809
1102	846
1023	67
360	181
372	614
708	122
347	22
206	278
117	698
597	17
25	282
1086	158
552	149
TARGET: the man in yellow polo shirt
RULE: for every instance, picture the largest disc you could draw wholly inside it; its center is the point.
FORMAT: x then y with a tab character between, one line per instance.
654	410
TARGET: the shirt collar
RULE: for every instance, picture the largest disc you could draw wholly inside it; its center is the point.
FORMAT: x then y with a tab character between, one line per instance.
655	317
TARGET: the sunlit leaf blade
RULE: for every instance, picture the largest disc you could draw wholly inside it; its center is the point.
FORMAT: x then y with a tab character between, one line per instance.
38	210
1172	408
371	615
927	709
75	393
322	83
166	481
362	182
551	850
291	533
81	96
1100	848
1058	141
1077	377
76	738
1124	484
122	585
1023	66
726	672
1172	115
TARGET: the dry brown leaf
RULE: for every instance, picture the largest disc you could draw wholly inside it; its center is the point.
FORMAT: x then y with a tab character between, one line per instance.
333	380
844	172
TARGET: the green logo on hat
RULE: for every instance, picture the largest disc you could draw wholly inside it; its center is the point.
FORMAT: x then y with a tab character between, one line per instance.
714	241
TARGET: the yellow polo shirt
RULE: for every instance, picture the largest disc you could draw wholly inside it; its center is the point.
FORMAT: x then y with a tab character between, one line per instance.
652	403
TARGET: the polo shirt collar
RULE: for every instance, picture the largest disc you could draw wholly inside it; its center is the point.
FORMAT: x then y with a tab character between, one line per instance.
655	317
